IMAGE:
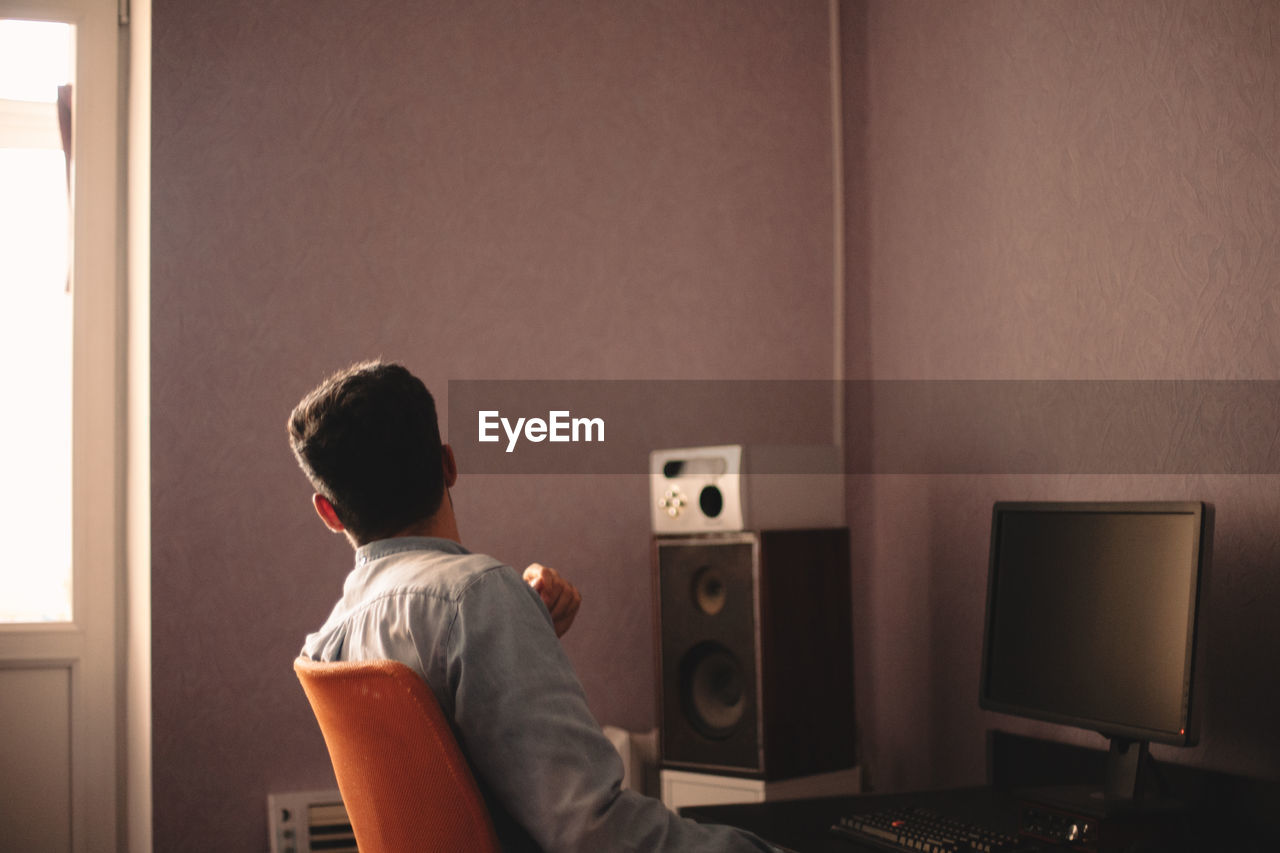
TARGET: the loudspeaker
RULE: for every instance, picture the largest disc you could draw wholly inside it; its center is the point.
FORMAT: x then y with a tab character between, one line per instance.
697	490
755	652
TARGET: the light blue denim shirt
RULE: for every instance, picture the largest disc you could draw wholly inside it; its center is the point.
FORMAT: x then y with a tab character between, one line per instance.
484	642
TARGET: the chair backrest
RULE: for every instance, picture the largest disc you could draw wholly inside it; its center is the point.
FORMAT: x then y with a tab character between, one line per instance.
403	778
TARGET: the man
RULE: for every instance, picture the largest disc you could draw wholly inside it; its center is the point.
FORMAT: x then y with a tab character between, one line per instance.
484	638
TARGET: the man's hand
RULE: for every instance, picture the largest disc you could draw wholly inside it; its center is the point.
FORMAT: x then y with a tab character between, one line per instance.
561	597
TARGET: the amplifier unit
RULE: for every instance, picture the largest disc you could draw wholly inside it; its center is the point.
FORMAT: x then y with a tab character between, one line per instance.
1082	819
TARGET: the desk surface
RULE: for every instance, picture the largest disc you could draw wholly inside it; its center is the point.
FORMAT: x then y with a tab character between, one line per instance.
802	825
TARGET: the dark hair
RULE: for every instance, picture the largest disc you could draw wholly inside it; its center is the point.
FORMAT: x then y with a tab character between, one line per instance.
368	440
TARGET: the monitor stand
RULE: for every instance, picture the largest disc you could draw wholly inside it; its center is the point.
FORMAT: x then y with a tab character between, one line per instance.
1128	769
1127	788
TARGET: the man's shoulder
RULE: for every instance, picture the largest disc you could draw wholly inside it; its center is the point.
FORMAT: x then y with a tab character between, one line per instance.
435	573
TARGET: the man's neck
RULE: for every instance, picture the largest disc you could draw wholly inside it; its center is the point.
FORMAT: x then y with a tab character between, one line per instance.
442	524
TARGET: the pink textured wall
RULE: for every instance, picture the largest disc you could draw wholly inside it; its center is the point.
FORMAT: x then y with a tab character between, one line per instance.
490	189
1057	190
1047	189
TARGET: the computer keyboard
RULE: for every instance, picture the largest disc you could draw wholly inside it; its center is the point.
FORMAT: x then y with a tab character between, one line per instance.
923	831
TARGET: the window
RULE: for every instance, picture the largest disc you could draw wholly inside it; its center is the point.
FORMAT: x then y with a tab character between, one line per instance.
61	424
36	58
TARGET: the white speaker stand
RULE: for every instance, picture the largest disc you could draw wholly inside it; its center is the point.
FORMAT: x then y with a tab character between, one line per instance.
681	788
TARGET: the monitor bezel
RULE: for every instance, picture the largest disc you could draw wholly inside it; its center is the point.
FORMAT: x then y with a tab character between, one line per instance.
1188	713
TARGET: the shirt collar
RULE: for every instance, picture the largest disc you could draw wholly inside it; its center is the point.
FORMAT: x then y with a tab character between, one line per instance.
380	548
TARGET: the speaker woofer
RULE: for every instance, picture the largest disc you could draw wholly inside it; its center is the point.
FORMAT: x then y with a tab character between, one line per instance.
712	690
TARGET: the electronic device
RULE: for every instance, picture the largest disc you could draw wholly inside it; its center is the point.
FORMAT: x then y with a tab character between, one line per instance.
1100	828
745	487
916	829
1092	621
755	653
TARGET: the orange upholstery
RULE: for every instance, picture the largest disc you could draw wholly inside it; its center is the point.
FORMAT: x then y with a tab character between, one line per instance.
403	778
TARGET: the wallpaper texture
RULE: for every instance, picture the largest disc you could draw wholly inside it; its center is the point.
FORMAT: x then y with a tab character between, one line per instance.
1047	191
499	190
483	190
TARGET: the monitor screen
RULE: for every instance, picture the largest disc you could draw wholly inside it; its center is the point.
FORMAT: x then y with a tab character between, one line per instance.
1091	615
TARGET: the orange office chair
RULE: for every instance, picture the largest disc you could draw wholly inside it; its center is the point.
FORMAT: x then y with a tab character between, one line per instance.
404	781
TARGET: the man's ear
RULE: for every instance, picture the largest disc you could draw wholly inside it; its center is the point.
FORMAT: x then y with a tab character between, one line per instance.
450	466
327	513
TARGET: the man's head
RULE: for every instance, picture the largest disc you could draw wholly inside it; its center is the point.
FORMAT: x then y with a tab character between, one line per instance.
368	440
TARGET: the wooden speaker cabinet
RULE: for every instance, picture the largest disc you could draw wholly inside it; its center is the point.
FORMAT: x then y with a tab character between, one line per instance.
755	652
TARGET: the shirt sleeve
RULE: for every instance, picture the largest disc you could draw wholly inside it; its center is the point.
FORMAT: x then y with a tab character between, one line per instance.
523	720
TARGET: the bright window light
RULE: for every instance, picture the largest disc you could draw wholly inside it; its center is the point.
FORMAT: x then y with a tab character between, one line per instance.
35	59
35	324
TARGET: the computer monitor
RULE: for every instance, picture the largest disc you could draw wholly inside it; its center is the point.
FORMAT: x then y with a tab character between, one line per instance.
1092	622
